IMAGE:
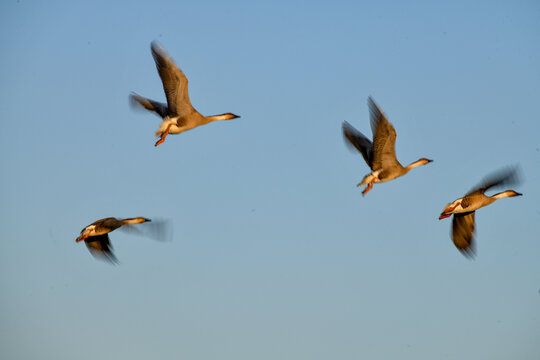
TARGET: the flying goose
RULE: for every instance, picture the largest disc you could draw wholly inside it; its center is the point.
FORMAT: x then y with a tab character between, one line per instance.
96	236
380	154
178	114
463	223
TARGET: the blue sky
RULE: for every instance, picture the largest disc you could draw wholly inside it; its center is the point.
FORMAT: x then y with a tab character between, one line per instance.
275	253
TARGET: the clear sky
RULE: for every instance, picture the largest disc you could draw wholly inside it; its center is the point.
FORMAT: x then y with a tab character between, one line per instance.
275	253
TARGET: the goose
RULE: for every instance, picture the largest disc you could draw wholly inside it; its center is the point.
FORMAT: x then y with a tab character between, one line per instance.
463	209
380	154
178	114
96	235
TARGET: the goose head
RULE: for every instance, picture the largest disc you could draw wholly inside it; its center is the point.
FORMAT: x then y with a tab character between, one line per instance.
226	116
424	161
137	220
230	116
419	162
507	193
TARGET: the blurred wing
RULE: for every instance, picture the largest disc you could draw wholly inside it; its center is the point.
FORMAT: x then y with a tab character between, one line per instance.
100	247
160	230
175	83
384	139
507	176
359	141
151	105
463	233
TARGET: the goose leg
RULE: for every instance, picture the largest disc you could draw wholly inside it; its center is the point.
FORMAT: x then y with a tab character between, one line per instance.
452	208
369	187
164	135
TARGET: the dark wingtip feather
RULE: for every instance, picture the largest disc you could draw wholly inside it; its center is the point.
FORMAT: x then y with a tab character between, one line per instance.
161	56
508	176
374	109
355	139
469	253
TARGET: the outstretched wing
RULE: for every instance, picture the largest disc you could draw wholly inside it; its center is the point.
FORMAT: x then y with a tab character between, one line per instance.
463	233
384	139
159	108
507	176
100	247
175	83
359	141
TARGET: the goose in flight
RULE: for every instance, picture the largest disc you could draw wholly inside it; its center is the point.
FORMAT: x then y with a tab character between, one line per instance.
463	223
96	236
380	154
178	114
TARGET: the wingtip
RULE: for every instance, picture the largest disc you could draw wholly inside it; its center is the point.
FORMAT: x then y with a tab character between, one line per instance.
158	50
371	102
133	96
469	253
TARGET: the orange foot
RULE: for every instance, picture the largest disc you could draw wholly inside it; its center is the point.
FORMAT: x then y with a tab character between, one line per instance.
163	136
369	187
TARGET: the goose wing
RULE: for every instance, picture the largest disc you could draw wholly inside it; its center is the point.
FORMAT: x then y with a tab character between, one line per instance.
160	229
384	139
508	176
100	247
175	83
463	233
359	141
108	224
160	108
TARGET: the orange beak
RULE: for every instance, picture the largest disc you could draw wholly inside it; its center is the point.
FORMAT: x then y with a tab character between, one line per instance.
445	215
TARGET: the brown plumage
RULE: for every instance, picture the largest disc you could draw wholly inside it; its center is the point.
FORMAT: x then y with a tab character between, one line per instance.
96	236
178	114
463	233
380	154
463	209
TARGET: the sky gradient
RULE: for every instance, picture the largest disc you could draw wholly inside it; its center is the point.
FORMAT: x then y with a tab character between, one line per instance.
275	253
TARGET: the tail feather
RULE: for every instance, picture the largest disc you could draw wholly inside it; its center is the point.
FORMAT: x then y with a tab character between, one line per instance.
159	108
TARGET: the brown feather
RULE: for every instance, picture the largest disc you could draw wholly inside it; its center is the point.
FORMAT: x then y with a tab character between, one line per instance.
384	139
100	247
463	225
175	82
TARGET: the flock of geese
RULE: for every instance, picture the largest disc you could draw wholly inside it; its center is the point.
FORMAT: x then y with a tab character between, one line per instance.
178	115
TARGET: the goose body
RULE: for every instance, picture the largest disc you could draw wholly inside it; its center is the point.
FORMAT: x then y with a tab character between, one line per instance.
380	155
96	235
178	115
463	209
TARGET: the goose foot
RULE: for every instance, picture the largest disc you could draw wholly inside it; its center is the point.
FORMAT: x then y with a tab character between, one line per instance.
369	187
448	211
164	135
